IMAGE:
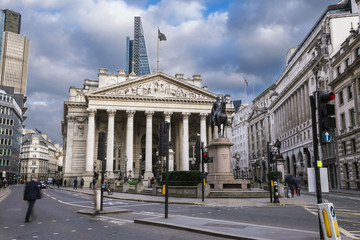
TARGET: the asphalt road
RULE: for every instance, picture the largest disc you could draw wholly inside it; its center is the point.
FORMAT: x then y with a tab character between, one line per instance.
56	217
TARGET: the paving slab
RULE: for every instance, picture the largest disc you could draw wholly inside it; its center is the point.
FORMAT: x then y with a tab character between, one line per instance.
228	229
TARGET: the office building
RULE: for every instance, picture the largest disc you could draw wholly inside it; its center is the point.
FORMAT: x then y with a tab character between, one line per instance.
137	60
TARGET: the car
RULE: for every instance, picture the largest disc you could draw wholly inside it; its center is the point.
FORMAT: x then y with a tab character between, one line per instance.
42	185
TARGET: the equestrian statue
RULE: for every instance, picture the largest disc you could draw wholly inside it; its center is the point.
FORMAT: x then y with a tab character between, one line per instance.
218	116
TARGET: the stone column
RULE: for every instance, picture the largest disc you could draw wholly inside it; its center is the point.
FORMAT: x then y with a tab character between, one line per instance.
69	144
185	140
148	145
307	102
168	119
110	143
90	141
130	141
203	132
302	105
203	128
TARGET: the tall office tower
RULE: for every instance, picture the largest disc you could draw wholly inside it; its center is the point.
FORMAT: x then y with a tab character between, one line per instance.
12	21
129	55
14	65
136	55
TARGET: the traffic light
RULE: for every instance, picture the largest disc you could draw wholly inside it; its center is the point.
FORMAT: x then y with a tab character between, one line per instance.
206	158
101	145
326	111
197	152
163	138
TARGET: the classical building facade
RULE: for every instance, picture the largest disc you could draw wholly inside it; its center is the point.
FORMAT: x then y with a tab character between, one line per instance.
345	82
39	156
259	133
129	109
240	149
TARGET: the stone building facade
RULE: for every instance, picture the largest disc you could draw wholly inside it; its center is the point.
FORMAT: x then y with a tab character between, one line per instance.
129	109
39	156
345	82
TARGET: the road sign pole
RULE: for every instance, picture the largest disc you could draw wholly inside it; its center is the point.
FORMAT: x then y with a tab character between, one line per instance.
316	157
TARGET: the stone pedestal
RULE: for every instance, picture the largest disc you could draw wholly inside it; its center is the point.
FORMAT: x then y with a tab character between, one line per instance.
220	177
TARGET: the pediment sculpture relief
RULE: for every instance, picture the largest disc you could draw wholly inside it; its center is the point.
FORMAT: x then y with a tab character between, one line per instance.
157	88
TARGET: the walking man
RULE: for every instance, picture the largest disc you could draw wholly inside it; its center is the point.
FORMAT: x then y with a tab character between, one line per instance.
31	193
75	183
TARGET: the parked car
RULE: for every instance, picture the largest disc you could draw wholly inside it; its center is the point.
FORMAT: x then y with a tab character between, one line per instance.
42	185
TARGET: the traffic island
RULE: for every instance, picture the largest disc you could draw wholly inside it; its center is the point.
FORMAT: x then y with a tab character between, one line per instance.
93	212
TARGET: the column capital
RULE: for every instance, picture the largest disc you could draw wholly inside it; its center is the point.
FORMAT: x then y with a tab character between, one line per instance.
70	118
185	115
111	112
92	111
149	113
130	113
168	113
203	116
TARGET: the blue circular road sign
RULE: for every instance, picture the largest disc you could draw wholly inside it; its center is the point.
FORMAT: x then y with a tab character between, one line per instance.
327	136
332	211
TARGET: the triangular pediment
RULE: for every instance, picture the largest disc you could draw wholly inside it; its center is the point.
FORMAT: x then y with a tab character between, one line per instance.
158	85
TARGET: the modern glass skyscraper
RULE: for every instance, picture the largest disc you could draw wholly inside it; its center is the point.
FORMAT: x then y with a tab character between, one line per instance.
137	60
129	55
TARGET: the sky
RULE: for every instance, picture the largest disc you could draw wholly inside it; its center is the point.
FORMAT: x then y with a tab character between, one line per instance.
223	41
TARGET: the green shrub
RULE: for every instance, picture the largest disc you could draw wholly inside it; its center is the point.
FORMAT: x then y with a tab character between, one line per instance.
133	182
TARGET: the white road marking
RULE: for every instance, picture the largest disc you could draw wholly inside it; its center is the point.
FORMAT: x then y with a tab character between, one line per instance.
89	228
6	227
53	198
73	230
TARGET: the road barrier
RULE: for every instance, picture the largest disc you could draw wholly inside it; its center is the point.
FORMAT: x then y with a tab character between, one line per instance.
328	221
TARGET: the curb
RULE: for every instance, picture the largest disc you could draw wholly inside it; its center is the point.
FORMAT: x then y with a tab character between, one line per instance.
194	230
93	212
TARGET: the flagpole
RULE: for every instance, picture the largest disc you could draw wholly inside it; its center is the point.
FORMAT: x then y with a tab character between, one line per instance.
245	95
158	40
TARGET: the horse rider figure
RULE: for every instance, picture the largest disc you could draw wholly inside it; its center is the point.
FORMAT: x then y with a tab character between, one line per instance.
218	115
215	109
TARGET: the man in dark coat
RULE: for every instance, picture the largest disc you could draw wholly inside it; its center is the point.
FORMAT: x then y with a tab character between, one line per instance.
31	193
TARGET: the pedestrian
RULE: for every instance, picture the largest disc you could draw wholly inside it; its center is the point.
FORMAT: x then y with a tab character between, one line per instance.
57	183
65	183
81	183
290	182
31	194
75	183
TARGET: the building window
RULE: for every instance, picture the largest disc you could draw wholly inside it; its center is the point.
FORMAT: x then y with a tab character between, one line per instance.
344	148
341	98
353	145
350	92
347	62
343	122
358	51
33	170
352	117
338	70
33	162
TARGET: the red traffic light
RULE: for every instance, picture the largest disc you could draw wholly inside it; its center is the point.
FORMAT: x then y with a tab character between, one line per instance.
205	154
326	96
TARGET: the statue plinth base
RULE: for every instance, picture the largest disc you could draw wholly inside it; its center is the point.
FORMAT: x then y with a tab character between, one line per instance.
220	175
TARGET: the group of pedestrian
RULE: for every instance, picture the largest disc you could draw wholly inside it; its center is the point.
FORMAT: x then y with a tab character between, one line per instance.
293	186
75	182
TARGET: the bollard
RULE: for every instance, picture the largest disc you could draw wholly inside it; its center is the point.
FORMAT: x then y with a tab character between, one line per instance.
328	221
276	192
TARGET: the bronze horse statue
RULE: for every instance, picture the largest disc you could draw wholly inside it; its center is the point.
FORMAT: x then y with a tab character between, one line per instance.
219	117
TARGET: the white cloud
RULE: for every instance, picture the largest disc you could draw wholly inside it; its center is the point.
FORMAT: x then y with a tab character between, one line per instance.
70	40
